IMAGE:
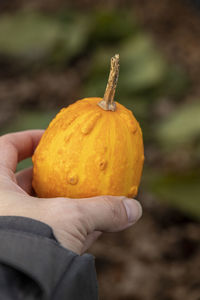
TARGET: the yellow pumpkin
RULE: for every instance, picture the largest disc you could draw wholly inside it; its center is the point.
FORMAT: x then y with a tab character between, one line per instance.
92	147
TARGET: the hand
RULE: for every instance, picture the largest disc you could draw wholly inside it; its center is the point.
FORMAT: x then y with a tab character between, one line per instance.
76	223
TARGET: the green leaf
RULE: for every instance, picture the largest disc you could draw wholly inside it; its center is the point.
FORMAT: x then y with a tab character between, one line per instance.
34	36
27	34
181	128
178	190
142	66
72	40
26	163
110	26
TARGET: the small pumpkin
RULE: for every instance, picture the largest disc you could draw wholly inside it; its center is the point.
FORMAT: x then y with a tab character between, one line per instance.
92	147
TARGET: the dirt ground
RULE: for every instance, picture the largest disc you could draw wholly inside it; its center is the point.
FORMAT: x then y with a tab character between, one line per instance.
159	258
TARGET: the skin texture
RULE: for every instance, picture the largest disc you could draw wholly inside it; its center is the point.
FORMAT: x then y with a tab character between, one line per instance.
76	223
87	151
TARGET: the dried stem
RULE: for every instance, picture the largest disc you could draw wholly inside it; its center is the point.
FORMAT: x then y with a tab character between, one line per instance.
108	100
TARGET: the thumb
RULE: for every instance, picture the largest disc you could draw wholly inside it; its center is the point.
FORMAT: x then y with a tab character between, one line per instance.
110	213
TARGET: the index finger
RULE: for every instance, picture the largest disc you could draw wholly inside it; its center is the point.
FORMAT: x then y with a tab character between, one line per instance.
17	146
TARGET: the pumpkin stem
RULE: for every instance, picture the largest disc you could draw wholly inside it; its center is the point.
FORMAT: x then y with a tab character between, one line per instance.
108	100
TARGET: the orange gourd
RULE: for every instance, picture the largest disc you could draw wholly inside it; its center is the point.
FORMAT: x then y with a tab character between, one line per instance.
92	147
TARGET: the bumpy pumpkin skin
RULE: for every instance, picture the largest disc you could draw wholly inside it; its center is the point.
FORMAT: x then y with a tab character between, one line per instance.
87	151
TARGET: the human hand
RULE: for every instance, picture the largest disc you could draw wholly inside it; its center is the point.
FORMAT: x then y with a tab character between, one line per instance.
76	223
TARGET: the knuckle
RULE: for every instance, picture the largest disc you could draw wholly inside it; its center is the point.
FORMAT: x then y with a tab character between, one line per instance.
78	212
7	173
5	138
55	206
70	207
115	211
6	141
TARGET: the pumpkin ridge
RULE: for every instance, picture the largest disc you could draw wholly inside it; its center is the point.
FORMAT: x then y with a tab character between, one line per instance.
89	147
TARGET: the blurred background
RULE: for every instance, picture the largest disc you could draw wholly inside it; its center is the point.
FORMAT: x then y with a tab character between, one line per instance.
55	52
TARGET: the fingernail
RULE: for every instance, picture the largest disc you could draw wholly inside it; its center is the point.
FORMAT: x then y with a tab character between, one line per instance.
133	209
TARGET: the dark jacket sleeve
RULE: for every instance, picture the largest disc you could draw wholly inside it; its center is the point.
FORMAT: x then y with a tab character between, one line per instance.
33	265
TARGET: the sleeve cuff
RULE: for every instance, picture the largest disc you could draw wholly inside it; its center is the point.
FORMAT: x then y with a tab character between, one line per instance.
30	246
28	225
